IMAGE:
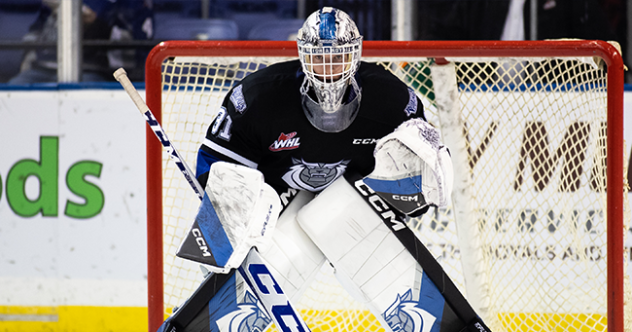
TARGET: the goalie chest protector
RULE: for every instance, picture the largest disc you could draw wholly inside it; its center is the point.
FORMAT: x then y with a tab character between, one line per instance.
262	125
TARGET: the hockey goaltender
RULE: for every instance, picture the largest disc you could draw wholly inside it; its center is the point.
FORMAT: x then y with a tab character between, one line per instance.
318	161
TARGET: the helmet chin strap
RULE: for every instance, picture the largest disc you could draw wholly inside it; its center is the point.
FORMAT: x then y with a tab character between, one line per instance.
334	121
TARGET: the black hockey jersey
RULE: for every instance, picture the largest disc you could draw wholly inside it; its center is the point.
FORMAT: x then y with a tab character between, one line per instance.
262	125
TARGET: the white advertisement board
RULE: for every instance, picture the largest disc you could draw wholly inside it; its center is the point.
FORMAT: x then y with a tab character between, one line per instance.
72	202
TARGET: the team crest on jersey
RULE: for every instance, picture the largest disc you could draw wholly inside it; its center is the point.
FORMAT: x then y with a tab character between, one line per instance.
405	316
238	100
313	176
285	142
247	318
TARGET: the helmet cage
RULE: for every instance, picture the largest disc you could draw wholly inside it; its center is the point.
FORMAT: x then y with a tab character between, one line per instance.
329	68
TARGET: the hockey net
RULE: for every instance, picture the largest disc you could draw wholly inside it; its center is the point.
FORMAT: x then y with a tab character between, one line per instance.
532	238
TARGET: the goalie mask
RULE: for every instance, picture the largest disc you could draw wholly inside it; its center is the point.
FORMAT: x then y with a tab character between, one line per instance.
329	47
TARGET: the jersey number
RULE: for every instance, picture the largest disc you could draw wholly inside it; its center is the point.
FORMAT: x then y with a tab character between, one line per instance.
222	124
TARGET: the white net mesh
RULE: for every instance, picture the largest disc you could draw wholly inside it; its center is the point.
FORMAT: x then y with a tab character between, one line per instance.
533	198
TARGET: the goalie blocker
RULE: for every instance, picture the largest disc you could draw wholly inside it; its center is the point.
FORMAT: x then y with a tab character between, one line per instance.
238	212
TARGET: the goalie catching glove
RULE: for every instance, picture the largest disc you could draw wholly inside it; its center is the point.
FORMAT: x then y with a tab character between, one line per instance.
413	170
238	212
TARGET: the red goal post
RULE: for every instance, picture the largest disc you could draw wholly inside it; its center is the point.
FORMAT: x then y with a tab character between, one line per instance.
391	50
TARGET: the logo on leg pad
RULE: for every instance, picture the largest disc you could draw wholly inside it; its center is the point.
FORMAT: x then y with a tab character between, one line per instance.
247	318
404	315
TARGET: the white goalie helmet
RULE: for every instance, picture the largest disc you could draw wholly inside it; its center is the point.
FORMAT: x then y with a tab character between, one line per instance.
329	47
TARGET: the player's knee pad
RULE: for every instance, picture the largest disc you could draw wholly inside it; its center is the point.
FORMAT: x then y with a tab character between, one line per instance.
370	262
293	257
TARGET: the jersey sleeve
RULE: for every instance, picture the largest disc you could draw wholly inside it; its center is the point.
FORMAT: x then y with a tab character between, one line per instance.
231	136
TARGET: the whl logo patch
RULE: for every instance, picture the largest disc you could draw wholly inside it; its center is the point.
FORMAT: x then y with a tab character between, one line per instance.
285	142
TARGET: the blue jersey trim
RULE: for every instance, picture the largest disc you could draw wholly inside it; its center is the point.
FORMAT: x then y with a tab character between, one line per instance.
204	162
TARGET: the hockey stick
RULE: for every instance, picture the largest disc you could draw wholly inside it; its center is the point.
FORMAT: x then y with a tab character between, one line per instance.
121	76
253	270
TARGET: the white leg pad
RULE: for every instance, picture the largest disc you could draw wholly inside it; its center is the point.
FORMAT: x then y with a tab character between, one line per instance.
292	256
370	262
